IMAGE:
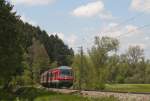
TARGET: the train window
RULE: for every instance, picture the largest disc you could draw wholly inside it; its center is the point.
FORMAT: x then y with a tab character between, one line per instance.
50	75
65	72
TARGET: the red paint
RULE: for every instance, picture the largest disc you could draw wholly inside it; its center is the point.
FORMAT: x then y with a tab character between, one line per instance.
55	75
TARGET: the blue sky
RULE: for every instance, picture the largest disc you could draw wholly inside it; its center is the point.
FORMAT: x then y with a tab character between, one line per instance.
78	21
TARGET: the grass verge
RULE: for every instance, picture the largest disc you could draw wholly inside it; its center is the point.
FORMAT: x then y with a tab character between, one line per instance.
137	88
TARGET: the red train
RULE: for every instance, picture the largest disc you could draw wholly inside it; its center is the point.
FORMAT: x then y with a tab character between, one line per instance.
58	77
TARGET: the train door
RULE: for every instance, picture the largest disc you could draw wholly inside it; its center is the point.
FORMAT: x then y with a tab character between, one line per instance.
49	79
47	83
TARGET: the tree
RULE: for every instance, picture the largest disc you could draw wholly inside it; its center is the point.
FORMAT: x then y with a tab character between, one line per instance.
136	65
11	50
55	47
38	60
113	68
58	51
135	54
147	72
99	57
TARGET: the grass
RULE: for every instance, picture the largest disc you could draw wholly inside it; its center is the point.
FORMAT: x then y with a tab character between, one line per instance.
73	98
138	88
34	94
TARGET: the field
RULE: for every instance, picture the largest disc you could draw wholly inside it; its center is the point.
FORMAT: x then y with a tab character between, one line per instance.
138	88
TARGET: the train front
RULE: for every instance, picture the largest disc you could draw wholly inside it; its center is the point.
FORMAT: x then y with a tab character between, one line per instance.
66	76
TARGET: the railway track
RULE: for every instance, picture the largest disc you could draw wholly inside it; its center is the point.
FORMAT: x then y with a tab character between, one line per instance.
122	96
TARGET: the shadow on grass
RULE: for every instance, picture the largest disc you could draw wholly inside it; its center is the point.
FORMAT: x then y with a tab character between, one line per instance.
30	93
6	96
24	94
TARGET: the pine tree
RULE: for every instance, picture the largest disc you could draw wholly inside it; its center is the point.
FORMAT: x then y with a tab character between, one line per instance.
11	50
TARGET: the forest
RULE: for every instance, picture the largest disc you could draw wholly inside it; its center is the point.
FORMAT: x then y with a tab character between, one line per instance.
26	51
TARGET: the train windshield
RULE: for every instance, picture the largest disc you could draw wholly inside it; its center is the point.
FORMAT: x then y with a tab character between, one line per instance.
66	72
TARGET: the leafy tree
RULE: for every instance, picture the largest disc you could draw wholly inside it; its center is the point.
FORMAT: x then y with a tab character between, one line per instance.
99	56
147	72
38	60
86	80
135	57
54	65
11	50
135	54
113	68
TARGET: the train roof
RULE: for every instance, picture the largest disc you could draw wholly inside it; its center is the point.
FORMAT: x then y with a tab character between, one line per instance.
60	67
64	67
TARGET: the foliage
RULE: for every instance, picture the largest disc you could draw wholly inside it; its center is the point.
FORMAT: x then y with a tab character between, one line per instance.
99	56
54	64
38	58
55	47
11	45
94	69
88	73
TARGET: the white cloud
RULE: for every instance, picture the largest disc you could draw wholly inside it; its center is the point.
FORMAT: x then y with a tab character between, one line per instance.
92	9
141	5
28	20
32	2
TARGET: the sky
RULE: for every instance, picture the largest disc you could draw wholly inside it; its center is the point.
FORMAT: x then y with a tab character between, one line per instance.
77	22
